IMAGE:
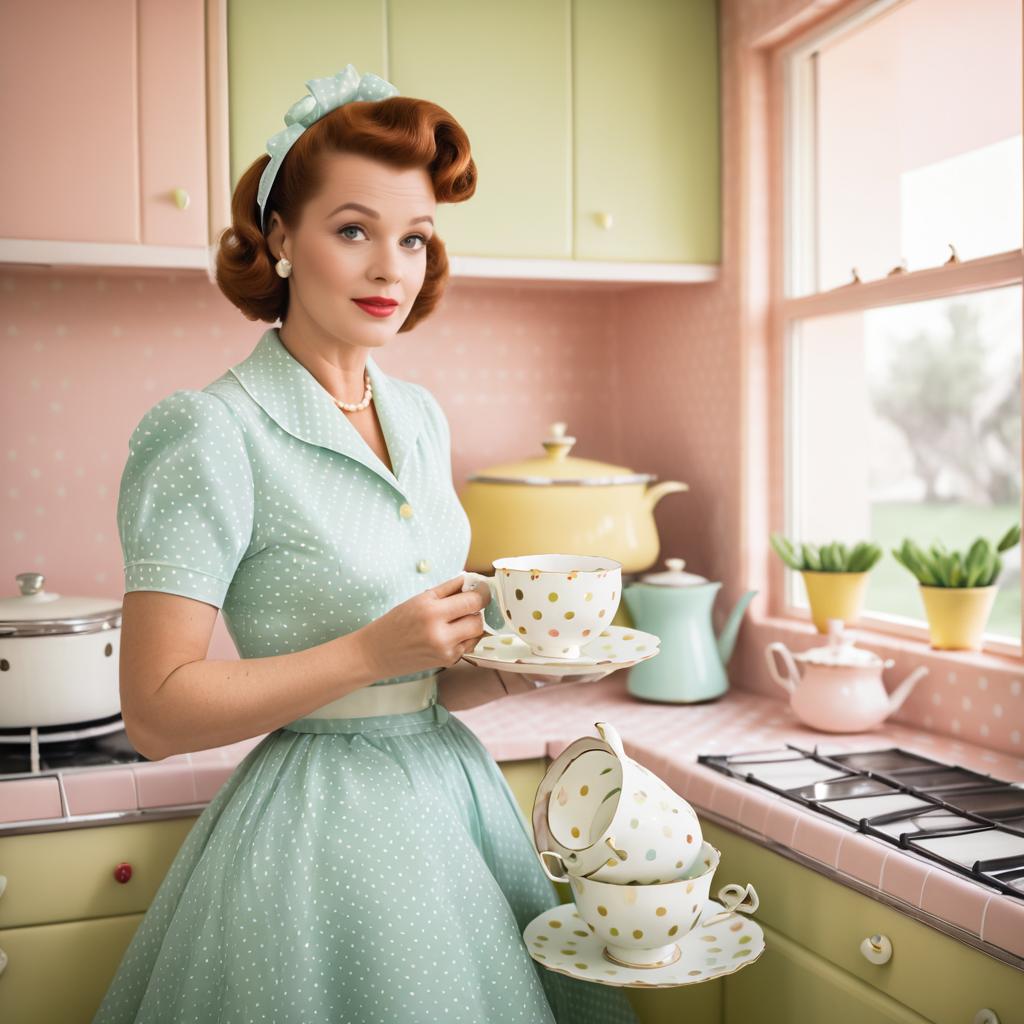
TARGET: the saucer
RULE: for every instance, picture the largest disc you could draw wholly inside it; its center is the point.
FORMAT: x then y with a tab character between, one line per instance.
559	940
615	647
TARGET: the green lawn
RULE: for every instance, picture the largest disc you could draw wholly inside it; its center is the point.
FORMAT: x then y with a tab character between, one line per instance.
892	589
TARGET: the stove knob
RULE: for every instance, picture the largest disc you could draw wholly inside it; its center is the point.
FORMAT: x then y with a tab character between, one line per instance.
123	872
877	949
986	1016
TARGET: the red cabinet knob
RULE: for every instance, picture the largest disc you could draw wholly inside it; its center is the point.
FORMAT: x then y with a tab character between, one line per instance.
123	872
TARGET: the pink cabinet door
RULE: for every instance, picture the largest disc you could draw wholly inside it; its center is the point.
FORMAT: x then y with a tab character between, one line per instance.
172	121
68	120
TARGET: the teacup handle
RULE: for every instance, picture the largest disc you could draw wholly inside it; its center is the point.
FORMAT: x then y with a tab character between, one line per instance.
611	736
735	899
564	877
469	582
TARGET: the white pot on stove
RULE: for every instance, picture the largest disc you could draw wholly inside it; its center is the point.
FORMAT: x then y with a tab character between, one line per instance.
59	657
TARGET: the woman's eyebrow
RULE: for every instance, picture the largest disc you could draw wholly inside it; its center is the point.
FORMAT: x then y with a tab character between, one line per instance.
369	212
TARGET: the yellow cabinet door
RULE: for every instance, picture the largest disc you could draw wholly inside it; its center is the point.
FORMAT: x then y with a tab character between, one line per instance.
503	71
646	130
68	874
275	48
60	972
790	985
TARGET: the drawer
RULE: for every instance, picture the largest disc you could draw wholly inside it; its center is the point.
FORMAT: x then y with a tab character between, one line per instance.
938	977
60	972
68	874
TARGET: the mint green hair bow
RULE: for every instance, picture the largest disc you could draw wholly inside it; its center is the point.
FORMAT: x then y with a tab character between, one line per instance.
327	94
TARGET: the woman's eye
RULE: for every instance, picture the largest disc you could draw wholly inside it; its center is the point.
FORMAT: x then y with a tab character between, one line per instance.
356	227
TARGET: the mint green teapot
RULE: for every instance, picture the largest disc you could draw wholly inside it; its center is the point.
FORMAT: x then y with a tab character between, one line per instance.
676	606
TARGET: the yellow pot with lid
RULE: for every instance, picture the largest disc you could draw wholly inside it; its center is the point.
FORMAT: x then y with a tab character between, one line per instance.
558	503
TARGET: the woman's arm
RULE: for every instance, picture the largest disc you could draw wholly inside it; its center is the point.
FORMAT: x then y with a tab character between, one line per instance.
174	701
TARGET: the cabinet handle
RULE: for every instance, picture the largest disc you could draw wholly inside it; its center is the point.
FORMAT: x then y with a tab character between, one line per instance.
123	872
181	198
986	1016
877	949
604	220
3	884
3	961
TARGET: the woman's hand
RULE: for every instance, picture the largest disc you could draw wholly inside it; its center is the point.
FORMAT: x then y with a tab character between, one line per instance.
431	630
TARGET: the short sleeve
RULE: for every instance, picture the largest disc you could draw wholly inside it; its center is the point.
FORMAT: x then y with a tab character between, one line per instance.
185	506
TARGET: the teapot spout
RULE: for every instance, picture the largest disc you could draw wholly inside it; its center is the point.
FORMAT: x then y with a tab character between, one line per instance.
654	494
727	638
902	692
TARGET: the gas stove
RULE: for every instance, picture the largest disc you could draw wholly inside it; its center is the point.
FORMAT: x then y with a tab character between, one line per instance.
966	821
47	748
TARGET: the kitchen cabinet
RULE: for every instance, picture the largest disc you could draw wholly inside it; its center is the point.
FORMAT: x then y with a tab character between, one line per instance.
598	153
112	111
646	131
822	923
60	972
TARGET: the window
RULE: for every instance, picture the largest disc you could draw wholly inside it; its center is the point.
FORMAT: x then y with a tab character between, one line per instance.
899	313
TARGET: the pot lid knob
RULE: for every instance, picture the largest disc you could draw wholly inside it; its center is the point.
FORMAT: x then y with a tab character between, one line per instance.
30	583
558	444
674	577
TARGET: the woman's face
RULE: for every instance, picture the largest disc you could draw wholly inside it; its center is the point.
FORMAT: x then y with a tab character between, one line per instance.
364	235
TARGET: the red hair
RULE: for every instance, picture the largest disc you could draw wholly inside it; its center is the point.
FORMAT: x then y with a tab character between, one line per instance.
400	131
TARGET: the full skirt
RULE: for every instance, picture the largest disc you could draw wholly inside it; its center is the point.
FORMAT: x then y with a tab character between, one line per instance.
369	870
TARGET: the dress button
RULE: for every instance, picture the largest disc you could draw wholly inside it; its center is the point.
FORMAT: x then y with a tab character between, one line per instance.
405	511
422	565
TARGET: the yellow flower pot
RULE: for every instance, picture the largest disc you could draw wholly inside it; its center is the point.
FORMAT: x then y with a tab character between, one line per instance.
835	595
957	616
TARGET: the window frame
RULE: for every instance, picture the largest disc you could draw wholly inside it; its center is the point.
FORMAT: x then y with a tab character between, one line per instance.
792	248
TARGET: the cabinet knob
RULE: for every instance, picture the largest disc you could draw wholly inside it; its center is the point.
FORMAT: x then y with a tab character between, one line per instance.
181	198
123	872
604	220
877	949
986	1016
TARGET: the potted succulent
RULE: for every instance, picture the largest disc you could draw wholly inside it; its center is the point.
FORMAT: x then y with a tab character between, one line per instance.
957	588
835	575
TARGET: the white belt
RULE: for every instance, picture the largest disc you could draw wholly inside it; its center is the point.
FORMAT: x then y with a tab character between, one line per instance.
387	699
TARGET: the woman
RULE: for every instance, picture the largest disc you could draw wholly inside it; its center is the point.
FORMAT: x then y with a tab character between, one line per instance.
366	861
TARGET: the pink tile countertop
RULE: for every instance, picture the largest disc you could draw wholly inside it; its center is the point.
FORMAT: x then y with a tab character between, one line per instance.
665	738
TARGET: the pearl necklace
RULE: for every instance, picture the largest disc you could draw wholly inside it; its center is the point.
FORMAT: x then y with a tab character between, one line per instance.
357	406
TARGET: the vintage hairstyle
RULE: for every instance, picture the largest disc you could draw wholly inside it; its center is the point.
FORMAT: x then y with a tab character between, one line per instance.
400	131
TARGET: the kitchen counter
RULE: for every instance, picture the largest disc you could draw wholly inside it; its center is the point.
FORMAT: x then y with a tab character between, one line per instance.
664	738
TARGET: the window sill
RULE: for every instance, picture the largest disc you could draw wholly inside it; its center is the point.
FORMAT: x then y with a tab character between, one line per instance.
893	645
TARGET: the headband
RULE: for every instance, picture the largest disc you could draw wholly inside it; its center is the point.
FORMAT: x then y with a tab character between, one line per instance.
327	94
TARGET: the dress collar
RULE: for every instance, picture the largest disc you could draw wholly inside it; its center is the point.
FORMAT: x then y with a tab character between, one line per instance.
297	402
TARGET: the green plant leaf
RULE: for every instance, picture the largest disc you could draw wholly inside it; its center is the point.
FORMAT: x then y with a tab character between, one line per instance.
1009	539
784	549
811	559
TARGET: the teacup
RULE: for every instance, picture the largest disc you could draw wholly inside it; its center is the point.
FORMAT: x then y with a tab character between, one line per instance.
609	818
641	924
555	603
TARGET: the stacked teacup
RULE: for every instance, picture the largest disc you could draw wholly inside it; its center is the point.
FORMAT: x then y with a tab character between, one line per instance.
631	850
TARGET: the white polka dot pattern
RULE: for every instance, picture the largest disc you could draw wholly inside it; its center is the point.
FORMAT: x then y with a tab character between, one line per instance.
257	494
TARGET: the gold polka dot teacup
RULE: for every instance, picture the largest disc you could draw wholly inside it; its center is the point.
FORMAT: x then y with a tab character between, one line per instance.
555	603
600	814
641	924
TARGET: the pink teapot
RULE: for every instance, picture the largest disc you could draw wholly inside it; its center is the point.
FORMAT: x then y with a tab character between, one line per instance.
841	689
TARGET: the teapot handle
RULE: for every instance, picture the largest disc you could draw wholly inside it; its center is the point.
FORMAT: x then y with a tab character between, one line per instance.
789	680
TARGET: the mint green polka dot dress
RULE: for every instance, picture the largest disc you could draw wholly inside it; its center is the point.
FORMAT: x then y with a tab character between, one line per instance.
354	871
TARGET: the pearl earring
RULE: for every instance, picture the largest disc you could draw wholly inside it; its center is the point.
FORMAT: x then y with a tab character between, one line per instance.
283	267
